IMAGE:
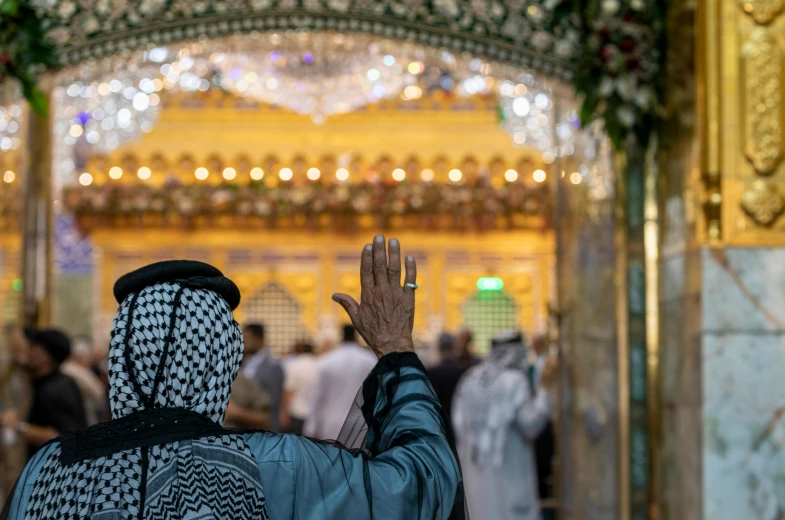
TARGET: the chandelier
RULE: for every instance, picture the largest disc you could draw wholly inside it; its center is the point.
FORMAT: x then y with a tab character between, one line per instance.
319	74
102	105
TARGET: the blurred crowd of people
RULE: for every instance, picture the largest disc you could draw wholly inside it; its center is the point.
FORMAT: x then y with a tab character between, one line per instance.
498	411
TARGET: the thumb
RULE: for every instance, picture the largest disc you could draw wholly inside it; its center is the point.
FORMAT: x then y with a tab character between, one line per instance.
348	303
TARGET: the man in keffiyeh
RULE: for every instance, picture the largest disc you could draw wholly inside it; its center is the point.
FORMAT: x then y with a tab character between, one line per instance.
174	353
497	415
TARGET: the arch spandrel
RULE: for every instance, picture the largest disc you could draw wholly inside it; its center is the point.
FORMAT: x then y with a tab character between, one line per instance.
516	32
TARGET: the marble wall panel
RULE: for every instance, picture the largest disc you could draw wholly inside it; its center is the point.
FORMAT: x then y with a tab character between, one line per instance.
744	426
744	290
743	387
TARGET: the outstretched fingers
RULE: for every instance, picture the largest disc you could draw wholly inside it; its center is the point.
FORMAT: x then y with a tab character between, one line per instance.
411	275
366	272
394	267
380	262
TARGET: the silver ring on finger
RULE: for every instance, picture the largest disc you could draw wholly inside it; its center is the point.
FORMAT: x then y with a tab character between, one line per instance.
412	286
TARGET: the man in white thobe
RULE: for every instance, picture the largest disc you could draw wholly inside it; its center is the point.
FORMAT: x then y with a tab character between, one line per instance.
497	418
341	374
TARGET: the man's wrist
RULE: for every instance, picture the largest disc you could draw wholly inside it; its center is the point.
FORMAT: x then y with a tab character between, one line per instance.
391	349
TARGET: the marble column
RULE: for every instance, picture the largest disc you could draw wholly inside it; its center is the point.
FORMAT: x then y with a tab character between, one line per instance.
588	407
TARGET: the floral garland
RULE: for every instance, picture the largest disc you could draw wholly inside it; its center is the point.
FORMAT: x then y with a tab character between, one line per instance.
621	65
470	200
24	50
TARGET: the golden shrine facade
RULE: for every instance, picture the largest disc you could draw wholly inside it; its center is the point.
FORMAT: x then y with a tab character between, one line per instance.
284	206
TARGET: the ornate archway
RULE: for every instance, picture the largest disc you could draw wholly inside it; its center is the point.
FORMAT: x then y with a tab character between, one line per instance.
516	33
519	33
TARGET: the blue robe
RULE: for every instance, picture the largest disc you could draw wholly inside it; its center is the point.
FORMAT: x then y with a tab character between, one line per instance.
408	470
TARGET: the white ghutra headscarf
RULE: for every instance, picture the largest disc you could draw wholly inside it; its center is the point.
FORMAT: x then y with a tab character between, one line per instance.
175	349
489	397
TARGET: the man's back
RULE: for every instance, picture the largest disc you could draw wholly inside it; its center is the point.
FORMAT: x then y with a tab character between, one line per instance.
58	404
267	373
341	374
93	391
228	475
302	373
496	418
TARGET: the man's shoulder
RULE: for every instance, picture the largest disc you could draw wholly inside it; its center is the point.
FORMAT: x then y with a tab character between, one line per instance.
44	452
268	447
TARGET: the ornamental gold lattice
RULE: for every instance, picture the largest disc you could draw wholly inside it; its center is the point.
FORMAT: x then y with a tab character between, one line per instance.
763	203
763	61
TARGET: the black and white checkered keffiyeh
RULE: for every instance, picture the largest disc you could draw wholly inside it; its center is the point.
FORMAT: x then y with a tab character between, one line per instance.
171	346
201	364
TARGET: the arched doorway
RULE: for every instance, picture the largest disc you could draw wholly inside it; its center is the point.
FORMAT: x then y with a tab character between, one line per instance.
122	55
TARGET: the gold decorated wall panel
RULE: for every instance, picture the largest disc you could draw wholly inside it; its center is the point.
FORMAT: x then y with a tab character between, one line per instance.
312	266
214	134
744	107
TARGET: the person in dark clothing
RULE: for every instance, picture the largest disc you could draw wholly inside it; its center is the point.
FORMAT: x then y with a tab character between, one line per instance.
463	348
545	443
261	367
57	405
445	376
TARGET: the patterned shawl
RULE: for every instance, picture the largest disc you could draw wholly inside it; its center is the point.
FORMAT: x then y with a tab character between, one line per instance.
489	397
175	351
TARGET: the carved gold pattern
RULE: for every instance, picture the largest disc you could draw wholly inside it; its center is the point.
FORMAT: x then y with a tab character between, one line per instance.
763	60
763	203
763	11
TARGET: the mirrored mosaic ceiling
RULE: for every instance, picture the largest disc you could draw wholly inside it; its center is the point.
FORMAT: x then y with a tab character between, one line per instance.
519	32
106	103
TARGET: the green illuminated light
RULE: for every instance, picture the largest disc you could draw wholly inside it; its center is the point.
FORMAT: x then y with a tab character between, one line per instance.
490	283
16	285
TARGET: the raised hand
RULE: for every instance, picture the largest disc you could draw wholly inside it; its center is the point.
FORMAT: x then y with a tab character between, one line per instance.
385	315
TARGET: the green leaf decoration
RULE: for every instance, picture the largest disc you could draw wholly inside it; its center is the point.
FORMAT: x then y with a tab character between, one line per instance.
9	7
24	50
